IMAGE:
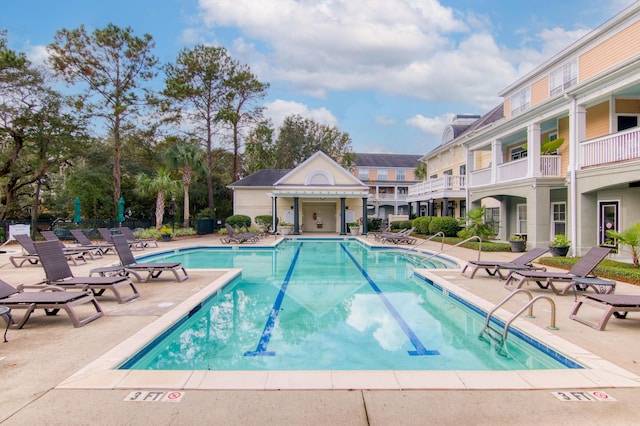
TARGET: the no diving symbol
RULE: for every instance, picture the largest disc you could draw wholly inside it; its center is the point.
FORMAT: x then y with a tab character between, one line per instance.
174	396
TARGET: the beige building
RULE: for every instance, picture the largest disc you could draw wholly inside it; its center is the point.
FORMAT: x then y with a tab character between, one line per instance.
318	195
588	95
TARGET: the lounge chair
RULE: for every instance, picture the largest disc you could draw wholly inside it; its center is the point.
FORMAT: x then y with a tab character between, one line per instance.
492	267
107	236
49	298
618	305
238	237
30	254
582	269
379	236
153	269
84	241
402	237
141	242
90	251
59	273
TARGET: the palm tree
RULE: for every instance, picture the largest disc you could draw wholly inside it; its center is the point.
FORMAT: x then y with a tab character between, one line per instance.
421	171
187	158
162	185
629	237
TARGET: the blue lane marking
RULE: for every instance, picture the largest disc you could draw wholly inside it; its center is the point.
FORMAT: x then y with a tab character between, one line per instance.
261	349
415	341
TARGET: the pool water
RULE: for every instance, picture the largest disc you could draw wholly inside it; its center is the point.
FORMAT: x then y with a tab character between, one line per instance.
327	305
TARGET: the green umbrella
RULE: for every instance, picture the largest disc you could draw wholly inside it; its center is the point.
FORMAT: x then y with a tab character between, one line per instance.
121	210
76	215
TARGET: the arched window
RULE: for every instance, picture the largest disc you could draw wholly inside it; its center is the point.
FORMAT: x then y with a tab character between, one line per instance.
319	177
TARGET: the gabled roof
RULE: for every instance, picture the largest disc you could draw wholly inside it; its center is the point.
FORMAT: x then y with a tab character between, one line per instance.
262	178
329	167
387	160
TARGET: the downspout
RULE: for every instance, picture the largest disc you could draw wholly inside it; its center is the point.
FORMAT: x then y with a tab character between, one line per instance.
573	154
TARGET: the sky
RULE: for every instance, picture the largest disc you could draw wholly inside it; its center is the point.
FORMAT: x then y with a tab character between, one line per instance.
391	73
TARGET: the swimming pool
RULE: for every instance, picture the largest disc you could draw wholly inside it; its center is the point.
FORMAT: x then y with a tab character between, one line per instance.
329	305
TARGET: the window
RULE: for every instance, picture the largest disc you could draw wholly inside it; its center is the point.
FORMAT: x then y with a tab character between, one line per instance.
520	101
463	208
492	218
448	172
433	176
401	174
383	174
627	122
518	153
521	219
558	219
463	170
363	174
402	190
563	77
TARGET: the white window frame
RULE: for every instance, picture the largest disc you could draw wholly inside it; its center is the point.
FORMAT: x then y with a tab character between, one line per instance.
563	77
520	101
401	174
363	174
553	217
383	173
520	222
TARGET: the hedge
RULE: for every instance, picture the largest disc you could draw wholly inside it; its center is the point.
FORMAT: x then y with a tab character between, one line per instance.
448	225
239	221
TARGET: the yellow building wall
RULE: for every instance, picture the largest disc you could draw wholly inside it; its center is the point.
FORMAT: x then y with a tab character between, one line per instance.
563	132
540	91
627	106
340	176
507	108
598	123
251	202
482	159
618	48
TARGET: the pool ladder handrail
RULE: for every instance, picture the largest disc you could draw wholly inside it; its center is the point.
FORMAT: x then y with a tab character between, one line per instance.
529	305
415	248
459	244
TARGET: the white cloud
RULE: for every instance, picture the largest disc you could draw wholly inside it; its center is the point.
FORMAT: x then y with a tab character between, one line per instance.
37	55
430	126
385	121
279	109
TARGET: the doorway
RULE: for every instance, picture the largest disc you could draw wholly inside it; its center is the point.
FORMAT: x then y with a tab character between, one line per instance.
608	221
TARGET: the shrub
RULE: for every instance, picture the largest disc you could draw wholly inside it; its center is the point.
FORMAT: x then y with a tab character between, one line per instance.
422	224
447	225
264	219
206	214
406	224
395	225
239	220
374	223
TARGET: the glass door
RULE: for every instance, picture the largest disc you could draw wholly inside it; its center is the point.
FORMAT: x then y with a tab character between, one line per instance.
608	221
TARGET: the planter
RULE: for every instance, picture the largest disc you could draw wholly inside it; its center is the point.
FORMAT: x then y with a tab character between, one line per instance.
166	237
204	226
559	251
285	230
355	230
517	246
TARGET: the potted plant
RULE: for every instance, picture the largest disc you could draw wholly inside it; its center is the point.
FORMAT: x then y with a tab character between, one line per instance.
204	221
560	245
285	228
165	233
518	243
354	228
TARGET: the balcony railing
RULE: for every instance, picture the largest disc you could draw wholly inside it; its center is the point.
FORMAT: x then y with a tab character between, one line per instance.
614	148
550	166
444	183
391	197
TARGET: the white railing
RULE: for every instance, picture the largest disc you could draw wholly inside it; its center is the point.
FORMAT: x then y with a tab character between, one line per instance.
480	178
512	170
550	166
621	146
391	197
448	182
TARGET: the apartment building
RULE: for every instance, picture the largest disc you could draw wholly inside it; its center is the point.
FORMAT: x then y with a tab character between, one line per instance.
588	95
389	177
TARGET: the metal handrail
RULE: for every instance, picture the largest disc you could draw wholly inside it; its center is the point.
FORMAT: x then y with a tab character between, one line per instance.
529	305
459	244
415	248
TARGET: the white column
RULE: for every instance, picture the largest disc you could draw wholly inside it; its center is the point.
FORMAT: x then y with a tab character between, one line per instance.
496	159
533	150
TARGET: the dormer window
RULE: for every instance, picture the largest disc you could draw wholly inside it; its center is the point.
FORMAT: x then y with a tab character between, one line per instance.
563	77
520	101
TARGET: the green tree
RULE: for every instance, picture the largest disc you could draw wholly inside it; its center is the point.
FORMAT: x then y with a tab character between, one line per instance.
240	109
299	138
161	186
259	151
195	84
186	158
421	171
476	224
629	237
112	64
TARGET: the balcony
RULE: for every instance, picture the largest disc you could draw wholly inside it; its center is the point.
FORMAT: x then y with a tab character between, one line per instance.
550	166
426	189
614	148
390	197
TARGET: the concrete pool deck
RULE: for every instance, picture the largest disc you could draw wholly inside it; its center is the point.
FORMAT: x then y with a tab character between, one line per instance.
38	361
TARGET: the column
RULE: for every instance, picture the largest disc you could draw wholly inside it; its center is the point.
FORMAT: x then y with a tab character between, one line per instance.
274	216
296	219
533	150
364	215
418	214
445	206
343	217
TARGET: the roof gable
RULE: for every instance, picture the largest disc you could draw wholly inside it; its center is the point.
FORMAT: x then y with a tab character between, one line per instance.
319	170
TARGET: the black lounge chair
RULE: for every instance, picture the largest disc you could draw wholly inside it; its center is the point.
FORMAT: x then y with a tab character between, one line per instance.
31	255
138	242
238	237
84	241
90	251
153	269
107	236
50	298
582	269
402	237
617	305
59	273
492	267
